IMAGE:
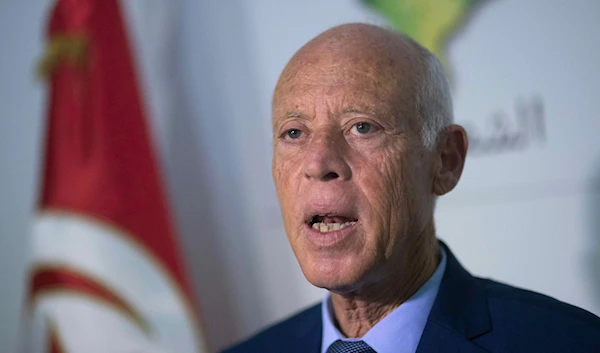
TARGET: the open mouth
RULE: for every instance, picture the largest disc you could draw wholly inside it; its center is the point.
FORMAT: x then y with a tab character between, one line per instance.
325	223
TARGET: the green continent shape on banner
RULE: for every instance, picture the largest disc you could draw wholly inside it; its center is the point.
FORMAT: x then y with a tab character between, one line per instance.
430	22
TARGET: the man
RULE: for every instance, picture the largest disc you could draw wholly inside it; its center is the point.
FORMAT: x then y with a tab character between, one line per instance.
363	145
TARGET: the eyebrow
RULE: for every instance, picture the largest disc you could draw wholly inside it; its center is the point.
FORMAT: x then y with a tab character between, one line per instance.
277	122
293	115
355	110
359	111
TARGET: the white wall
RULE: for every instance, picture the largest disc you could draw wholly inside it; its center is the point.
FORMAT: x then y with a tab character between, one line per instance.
528	217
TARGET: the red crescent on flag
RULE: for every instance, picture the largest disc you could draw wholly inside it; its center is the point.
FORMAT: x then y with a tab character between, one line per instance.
46	279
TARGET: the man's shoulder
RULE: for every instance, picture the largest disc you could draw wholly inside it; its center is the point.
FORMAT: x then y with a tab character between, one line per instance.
502	297
300	328
528	316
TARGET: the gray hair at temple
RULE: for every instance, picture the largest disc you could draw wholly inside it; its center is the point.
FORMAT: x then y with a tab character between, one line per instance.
433	98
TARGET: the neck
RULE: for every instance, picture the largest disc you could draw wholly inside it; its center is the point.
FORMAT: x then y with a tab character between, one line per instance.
358	311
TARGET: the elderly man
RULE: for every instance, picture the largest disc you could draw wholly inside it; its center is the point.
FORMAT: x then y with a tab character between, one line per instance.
363	145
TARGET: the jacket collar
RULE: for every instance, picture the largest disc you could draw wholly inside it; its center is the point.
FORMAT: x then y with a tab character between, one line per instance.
459	314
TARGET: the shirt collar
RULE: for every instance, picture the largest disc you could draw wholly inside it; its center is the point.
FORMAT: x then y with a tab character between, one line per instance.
400	331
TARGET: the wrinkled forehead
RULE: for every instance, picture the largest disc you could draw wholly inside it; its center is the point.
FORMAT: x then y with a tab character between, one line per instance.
351	74
332	82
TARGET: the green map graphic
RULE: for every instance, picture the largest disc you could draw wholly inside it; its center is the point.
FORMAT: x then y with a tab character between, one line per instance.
432	23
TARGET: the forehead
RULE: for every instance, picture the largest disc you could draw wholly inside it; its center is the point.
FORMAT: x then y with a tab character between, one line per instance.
365	83
335	90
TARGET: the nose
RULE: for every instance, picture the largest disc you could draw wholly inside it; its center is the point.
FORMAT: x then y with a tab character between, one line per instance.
324	159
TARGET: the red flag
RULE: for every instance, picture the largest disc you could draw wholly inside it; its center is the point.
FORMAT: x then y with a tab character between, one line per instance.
106	269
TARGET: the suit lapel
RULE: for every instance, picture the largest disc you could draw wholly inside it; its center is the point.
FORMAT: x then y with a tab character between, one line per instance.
459	313
311	342
308	333
437	338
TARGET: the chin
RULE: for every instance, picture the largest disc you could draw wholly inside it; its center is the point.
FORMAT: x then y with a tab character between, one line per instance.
335	275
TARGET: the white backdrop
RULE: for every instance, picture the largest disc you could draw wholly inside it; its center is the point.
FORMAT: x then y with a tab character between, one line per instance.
527	213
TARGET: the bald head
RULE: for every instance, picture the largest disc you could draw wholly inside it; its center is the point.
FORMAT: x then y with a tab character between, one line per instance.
401	69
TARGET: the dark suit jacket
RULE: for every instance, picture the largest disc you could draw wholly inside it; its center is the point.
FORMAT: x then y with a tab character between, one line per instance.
469	315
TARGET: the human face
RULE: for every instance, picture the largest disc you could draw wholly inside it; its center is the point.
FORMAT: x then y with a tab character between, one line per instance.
352	176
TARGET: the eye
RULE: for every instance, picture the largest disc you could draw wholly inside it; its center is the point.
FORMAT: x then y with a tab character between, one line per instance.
292	134
361	128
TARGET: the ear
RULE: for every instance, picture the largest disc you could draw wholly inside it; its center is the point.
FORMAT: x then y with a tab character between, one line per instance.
451	153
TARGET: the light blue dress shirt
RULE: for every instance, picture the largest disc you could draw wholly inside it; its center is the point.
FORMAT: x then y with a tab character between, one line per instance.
400	331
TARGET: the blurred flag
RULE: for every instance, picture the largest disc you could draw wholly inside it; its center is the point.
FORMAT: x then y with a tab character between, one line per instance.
106	275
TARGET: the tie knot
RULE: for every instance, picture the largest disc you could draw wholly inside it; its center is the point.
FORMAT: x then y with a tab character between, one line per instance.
340	346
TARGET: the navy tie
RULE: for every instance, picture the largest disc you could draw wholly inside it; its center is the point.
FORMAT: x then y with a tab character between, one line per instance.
340	346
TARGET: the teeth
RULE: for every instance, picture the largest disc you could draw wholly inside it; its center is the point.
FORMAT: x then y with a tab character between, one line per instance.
329	227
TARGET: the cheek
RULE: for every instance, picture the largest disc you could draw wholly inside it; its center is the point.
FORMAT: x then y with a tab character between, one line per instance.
286	173
281	171
278	173
384	177
383	184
